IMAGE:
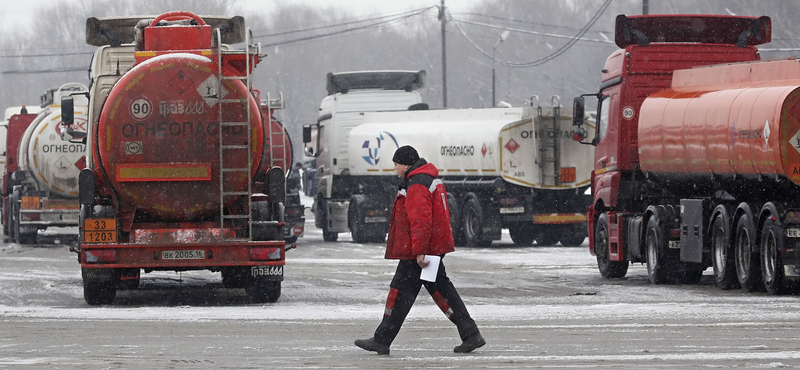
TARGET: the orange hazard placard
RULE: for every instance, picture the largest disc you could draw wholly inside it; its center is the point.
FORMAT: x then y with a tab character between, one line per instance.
100	224
30	203
567	174
100	237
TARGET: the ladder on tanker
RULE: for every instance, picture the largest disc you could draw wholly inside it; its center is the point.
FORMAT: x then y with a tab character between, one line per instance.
277	139
550	142
238	107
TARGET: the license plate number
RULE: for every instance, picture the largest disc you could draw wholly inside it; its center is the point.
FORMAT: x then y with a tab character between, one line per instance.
100	237
793	233
512	210
674	244
375	219
188	254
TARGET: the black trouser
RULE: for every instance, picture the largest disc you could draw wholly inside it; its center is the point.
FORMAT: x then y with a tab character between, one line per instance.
403	292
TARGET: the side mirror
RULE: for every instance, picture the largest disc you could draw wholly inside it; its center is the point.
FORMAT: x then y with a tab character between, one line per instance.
578	111
67	110
67	119
308	151
307	134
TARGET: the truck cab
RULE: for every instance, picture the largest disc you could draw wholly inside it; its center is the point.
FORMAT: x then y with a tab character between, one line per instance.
350	94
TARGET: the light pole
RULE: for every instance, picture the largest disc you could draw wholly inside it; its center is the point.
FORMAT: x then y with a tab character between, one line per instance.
503	37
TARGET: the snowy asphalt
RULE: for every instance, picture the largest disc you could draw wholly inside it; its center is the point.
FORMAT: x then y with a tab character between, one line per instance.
538	307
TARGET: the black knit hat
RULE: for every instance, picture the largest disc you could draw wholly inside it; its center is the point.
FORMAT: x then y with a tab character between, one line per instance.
406	155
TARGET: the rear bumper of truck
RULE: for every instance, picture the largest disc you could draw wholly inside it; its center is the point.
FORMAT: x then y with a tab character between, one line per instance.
183	256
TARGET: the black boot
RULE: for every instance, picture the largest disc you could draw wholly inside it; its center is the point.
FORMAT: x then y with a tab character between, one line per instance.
372	345
470	344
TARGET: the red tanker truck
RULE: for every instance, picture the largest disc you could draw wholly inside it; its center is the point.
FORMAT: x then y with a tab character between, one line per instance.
697	154
175	145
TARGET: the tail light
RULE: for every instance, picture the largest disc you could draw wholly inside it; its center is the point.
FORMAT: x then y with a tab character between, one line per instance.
101	256
265	254
29	216
293	211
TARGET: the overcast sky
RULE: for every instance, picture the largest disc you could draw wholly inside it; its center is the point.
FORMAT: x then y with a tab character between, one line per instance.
16	12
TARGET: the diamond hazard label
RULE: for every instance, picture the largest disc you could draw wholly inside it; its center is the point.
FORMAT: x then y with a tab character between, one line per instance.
512	146
62	164
81	163
211	90
181	82
794	141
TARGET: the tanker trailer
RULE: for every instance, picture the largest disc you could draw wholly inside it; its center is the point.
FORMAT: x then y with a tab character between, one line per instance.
15	121
175	143
710	176
43	191
504	168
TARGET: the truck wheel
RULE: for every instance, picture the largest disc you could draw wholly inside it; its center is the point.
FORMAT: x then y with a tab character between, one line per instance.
608	269
328	236
573	239
522	234
771	262
473	220
748	269
97	293
357	229
722	255
263	291
547	238
455	220
6	220
656	252
16	233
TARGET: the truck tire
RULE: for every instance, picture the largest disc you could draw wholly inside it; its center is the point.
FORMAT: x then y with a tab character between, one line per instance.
748	266
6	219
522	234
656	245
322	215
359	233
97	293
722	255
574	238
771	261
608	269
455	220
263	291
473	219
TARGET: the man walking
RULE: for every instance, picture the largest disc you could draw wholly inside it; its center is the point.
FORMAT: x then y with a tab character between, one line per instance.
420	226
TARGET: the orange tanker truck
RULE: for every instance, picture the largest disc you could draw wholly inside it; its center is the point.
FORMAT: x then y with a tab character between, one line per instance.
175	146
697	154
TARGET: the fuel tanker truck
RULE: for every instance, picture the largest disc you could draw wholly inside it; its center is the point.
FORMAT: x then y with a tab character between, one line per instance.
40	182
504	168
514	168
697	154
175	149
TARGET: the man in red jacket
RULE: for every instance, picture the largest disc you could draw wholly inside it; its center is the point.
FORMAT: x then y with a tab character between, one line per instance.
420	226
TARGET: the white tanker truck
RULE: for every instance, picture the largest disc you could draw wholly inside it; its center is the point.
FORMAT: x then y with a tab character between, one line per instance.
42	187
514	168
504	168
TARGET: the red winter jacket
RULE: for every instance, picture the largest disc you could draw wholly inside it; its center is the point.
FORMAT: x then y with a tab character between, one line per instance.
420	219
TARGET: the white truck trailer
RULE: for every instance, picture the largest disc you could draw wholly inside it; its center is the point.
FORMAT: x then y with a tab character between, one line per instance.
43	187
504	168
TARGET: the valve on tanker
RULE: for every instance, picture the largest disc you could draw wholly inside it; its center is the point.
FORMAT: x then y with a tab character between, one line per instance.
68	118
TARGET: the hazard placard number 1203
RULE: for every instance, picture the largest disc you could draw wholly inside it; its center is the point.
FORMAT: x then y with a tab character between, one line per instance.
100	237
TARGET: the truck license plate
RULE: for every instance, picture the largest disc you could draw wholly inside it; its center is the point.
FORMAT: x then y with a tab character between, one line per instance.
188	254
375	219
793	233
512	210
674	244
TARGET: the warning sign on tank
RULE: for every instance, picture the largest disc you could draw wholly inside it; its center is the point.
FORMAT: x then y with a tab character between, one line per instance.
211	90
794	141
181	82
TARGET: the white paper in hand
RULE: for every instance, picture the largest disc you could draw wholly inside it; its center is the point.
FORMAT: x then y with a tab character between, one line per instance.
429	273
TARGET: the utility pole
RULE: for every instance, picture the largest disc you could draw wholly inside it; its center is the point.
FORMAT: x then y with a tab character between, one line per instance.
443	19
645	7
